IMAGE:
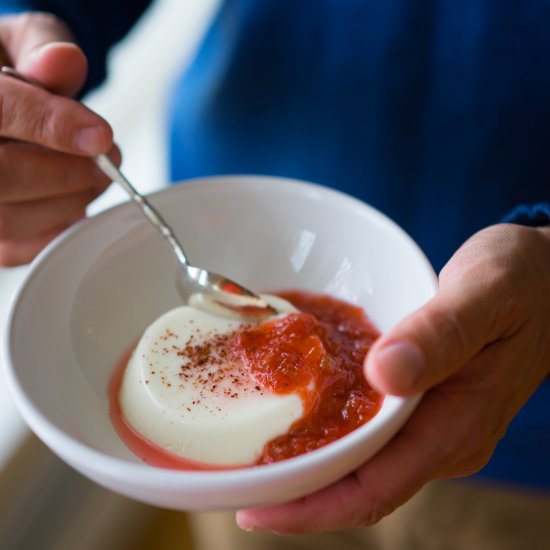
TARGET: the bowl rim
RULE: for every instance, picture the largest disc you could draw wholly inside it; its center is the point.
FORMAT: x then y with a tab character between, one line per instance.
79	453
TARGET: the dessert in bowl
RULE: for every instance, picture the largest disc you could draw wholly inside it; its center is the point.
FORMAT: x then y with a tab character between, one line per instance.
92	293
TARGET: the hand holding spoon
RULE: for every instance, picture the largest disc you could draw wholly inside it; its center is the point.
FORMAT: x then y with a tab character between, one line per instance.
196	286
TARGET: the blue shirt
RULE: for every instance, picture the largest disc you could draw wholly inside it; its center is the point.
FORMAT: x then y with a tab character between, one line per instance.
437	113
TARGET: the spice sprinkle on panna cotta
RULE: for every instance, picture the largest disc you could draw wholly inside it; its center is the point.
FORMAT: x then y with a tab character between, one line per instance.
206	392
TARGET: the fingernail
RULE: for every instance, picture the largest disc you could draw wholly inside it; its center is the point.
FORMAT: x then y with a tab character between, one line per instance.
402	364
91	140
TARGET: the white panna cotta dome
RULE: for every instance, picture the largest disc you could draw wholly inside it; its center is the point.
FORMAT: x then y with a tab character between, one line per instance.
184	391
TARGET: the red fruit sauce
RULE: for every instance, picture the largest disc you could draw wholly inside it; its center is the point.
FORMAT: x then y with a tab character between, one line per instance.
324	345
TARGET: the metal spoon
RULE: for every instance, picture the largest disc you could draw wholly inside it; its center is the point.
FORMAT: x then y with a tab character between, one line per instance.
196	286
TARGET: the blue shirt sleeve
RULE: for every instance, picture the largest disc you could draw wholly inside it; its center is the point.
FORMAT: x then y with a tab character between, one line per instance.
97	25
534	215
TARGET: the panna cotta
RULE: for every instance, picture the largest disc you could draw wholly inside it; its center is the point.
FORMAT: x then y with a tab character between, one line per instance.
203	392
186	390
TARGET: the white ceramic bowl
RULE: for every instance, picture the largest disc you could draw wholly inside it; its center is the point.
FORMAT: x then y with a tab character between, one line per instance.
92	292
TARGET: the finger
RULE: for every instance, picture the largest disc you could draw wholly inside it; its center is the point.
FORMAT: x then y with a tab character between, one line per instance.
61	67
29	219
41	46
433	342
388	480
30	114
319	512
34	172
19	252
445	435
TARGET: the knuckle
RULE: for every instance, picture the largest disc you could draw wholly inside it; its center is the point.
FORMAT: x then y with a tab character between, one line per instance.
447	329
25	119
487	434
375	506
373	513
45	124
50	126
471	465
29	20
474	444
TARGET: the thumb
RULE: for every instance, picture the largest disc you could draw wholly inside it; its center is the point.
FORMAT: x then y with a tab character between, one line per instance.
433	342
42	47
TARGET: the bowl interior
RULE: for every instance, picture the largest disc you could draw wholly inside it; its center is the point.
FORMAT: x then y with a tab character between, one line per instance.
92	293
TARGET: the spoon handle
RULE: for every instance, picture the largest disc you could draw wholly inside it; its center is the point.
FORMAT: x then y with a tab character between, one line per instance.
110	169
